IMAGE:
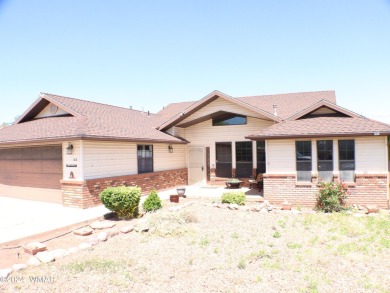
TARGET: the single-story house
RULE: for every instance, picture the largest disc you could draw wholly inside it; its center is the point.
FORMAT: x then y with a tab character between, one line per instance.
294	140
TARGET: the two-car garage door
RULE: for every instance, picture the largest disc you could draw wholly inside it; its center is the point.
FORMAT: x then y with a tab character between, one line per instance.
31	166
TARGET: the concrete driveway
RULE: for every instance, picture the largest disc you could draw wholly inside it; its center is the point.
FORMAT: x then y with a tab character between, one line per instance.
21	218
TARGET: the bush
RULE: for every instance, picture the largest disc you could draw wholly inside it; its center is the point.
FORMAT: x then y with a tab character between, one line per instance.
331	197
237	197
122	200
152	202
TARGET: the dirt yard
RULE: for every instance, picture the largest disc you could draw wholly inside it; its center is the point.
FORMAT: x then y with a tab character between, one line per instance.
208	249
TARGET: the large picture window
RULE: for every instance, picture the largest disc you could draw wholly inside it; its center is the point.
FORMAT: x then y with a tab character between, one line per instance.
325	160
229	119
303	159
145	158
347	160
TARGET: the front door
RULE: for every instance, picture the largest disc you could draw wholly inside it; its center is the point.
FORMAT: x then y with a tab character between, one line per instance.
196	168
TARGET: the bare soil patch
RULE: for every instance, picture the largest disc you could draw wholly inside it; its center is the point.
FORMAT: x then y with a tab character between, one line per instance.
206	249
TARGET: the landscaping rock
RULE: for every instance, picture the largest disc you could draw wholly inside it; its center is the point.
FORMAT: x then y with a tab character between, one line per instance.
254	209
112	232
4	273
102	225
127	229
222	206
296	212
142	226
33	261
84	246
45	257
83	231
73	249
19	267
93	240
371	208
270	208
233	206
264	211
102	236
34	247
215	204
58	253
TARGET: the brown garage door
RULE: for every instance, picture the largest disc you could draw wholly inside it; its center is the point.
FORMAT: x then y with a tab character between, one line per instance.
31	166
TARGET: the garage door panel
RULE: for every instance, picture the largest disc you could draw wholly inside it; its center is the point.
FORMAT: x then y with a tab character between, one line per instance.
31	166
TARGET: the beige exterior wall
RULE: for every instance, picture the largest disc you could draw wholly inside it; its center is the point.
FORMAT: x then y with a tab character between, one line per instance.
164	160
205	134
371	155
280	156
108	159
72	162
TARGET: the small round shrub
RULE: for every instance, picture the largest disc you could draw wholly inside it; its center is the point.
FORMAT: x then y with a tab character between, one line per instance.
237	197
331	197
152	202
122	199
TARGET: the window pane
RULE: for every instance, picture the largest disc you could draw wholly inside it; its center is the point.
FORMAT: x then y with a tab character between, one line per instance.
145	158
244	159
325	155
260	149
229	119
303	160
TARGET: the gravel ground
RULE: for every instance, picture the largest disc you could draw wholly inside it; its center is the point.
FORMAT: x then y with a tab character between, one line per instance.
208	249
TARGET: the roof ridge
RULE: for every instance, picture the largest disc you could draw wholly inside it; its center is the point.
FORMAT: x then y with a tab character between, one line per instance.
291	93
114	106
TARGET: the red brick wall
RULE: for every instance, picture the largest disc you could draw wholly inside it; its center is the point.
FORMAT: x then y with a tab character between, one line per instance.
368	189
85	194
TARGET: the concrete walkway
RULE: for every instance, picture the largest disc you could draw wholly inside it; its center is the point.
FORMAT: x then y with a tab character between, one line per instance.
21	218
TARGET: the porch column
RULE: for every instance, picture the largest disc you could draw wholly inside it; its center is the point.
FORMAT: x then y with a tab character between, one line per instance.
233	159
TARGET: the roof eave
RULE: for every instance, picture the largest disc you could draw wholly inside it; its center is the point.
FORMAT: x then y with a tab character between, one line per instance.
290	136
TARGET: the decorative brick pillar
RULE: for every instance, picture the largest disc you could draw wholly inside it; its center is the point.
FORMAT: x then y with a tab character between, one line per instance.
212	174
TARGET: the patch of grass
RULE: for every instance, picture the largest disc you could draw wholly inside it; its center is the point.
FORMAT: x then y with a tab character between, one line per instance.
216	250
293	245
168	224
99	265
242	264
282	223
385	242
204	242
276	234
259	279
235	235
271	265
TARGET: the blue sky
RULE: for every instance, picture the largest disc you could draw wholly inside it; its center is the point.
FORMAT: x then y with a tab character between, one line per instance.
147	54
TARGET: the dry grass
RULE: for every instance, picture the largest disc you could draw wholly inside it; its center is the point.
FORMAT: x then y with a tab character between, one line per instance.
205	249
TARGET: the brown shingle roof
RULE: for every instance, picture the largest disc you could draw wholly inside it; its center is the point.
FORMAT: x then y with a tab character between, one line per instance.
324	126
91	120
289	104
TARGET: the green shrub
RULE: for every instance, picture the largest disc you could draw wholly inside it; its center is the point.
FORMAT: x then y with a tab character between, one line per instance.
331	197
237	197
122	200
152	202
